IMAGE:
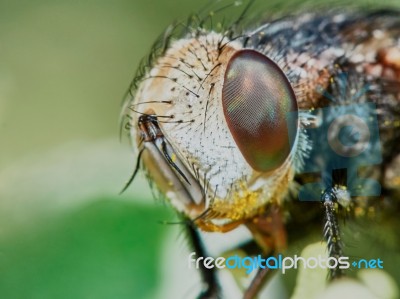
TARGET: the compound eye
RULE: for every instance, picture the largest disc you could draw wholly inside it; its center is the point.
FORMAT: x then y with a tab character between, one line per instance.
257	99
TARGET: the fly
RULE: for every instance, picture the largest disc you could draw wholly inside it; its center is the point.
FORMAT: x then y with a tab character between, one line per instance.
227	121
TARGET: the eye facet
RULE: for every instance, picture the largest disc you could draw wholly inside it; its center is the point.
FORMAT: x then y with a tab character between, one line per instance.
257	98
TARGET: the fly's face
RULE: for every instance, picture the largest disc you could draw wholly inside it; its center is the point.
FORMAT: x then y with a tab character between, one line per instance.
223	150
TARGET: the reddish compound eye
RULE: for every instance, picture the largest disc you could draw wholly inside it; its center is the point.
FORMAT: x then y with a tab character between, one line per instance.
257	99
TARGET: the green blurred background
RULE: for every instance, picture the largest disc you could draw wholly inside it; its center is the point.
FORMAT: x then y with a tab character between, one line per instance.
64	231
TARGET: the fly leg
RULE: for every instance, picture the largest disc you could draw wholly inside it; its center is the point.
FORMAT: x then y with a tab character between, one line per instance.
262	276
331	230
208	276
270	234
